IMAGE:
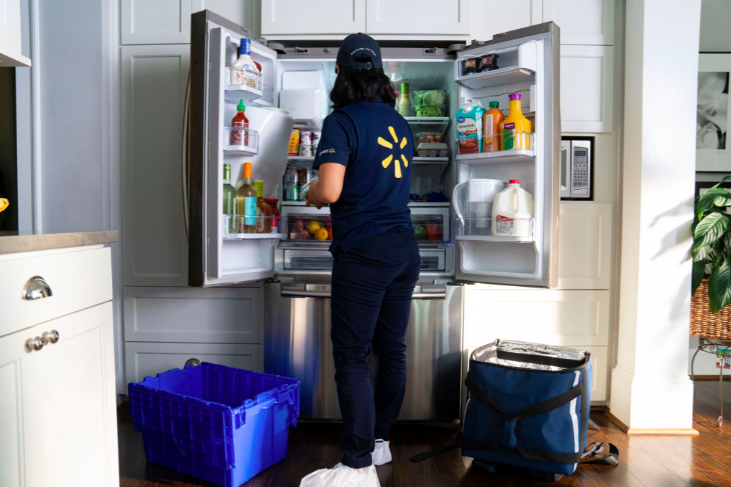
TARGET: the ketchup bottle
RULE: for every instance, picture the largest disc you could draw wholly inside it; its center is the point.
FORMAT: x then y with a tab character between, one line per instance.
240	137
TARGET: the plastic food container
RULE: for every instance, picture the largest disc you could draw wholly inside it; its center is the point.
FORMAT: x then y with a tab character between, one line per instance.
216	423
429	103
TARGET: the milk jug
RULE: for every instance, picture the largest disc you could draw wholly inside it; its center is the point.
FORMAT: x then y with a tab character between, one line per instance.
512	212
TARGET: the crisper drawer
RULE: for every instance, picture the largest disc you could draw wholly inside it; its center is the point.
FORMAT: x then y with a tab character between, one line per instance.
148	359
71	280
308	260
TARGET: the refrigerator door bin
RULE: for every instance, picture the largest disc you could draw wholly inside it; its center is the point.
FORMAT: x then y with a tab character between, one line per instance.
240	141
248	80
241	227
517	230
522	147
516	64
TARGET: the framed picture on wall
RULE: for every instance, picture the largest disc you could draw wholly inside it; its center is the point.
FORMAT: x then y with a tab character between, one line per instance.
713	146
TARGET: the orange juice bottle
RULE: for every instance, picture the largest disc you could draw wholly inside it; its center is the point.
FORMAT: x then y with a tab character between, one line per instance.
514	126
491	127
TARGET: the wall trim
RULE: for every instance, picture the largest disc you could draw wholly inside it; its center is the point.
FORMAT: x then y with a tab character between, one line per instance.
663	431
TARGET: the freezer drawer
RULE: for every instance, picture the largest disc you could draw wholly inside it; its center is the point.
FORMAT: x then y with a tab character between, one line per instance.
315	260
297	344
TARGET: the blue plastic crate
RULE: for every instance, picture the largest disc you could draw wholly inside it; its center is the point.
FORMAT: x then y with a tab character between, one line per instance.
216	423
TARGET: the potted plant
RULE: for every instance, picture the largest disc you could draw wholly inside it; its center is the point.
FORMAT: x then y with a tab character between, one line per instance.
711	254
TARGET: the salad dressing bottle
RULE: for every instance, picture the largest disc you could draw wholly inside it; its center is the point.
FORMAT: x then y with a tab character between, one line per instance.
404	104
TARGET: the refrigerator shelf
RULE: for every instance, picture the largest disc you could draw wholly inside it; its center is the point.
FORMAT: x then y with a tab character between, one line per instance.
491	238
503	76
248	135
442	161
500	157
428	124
254	236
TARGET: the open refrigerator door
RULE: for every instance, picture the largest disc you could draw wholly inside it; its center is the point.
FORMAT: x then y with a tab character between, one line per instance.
519	247
237	246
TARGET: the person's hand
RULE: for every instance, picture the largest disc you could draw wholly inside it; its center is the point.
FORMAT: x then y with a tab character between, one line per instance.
311	199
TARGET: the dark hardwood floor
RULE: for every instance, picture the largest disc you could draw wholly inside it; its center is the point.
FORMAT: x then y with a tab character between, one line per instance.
645	461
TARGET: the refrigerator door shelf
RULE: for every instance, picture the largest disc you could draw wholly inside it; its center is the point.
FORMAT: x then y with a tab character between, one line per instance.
500	157
235	134
479	229
517	64
501	76
264	227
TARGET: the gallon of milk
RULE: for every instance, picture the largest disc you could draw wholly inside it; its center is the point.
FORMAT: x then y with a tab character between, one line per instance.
512	211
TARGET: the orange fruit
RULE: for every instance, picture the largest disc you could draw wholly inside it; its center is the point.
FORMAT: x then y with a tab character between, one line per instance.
322	234
313	227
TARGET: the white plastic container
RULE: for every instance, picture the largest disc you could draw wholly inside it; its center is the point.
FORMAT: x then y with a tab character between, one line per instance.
473	202
512	212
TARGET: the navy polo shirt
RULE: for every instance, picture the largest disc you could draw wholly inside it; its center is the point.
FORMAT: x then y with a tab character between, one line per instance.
375	145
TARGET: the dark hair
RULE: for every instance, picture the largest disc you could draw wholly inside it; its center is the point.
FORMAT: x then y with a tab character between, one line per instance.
361	84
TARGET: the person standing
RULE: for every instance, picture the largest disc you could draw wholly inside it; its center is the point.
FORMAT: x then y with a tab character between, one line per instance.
364	161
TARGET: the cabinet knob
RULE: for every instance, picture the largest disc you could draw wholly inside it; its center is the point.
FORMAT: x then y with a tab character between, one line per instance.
37	288
193	362
32	344
50	337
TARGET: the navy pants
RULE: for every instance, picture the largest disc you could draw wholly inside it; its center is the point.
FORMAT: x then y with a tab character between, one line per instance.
372	285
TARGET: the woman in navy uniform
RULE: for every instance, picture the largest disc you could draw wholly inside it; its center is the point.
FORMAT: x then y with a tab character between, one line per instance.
364	161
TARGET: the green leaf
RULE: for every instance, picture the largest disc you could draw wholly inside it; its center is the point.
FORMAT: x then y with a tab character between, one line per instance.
711	228
719	197
725	178
701	250
719	287
699	271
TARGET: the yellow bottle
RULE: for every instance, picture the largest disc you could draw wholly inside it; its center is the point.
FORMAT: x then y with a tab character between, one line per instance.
513	128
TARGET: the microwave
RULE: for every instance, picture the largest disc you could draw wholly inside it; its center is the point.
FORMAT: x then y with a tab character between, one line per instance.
577	168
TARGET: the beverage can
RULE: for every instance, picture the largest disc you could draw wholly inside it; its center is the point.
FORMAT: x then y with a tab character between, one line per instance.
305	138
306	175
291	176
291	192
306	151
259	187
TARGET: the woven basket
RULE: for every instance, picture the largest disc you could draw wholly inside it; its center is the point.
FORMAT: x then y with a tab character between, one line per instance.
705	324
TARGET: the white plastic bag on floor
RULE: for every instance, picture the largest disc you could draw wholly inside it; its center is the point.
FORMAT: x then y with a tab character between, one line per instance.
342	476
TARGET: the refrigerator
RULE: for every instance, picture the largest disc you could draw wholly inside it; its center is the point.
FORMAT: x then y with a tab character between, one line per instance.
292	92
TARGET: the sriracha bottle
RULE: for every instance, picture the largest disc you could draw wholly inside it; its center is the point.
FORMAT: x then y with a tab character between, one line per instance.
240	137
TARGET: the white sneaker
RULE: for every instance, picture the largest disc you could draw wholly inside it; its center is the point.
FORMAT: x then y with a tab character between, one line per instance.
382	453
342	476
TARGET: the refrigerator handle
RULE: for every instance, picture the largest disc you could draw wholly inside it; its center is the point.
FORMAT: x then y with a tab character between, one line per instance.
184	157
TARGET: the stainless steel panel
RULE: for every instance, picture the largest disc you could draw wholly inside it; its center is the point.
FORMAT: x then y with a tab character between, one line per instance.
297	344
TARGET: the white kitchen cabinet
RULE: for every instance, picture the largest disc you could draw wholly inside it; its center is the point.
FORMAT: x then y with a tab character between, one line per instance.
155	22
587	92
555	317
295	17
584	246
58	404
149	359
246	13
582	21
426	17
10	38
193	315
490	17
154	241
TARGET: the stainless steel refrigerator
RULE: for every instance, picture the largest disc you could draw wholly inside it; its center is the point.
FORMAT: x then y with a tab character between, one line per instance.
294	269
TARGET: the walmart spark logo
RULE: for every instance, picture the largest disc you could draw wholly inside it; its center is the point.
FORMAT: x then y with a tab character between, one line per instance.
388	145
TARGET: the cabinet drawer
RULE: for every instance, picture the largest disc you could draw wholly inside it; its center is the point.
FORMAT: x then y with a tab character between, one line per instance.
193	315
78	279
149	359
554	317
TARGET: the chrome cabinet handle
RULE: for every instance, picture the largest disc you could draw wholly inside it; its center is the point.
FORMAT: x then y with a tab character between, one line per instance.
37	288
32	344
50	337
193	362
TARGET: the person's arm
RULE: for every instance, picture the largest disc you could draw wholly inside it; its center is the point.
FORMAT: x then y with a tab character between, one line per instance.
328	186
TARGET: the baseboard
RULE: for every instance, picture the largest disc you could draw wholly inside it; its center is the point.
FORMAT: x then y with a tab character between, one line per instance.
598	407
619	424
711	377
663	431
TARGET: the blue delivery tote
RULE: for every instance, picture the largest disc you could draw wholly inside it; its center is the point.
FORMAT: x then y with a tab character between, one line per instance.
216	423
528	407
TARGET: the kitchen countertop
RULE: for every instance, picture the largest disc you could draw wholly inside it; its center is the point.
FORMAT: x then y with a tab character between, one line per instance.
30	243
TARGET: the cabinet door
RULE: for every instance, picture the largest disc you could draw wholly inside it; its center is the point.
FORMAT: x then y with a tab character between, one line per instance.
291	17
70	423
154	240
193	315
584	246
582	21
491	17
149	359
158	22
587	89
246	13
419	17
12	407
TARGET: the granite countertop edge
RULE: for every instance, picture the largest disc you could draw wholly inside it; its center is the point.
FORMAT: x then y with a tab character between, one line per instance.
32	243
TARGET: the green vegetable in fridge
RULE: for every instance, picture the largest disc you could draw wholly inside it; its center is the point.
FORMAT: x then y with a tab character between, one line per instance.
420	232
431	97
428	111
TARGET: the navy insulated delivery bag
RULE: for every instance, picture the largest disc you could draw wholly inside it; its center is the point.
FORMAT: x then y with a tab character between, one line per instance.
528	407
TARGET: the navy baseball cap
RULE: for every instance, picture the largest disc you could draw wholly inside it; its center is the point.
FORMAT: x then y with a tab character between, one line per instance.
356	45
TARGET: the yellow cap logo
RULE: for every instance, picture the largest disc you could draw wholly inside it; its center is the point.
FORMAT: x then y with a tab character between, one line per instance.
388	145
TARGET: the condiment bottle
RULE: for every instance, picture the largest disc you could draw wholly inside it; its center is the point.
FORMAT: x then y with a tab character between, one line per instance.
404	104
240	137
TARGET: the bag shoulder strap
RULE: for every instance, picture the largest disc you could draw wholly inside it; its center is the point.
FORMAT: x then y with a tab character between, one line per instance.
595	454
